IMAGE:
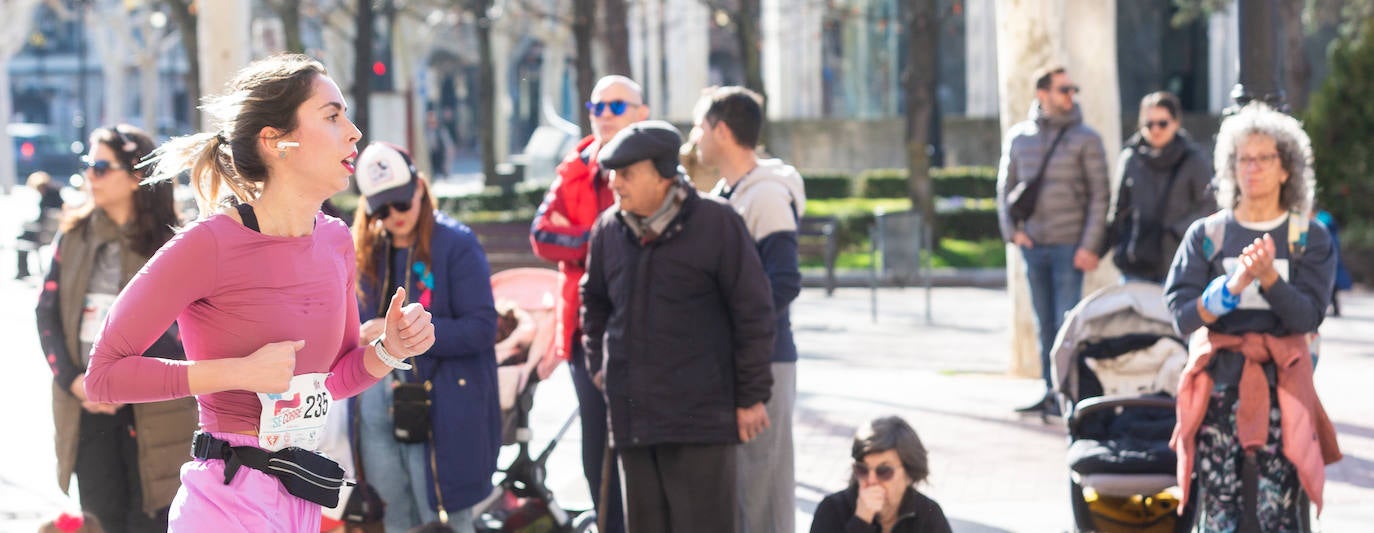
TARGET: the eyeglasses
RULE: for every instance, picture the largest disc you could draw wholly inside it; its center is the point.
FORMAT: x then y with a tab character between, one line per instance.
884	472
1261	160
617	107
381	213
1156	124
99	167
1067	89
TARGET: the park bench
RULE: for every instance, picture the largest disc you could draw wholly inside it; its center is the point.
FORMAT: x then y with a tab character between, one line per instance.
39	234
816	237
507	245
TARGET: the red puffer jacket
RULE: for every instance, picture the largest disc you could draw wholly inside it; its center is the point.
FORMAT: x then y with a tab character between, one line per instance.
579	194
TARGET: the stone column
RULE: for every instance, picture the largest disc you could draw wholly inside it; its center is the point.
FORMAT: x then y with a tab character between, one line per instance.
792	58
686	52
1223	57
1081	36
980	58
221	30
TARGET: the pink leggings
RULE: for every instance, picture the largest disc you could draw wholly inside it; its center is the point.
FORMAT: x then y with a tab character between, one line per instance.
252	502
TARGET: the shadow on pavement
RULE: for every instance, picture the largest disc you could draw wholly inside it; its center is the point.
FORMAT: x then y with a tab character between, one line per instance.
964	526
1356	471
813	416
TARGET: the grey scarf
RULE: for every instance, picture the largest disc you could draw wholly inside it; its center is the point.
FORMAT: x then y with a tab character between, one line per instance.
650	227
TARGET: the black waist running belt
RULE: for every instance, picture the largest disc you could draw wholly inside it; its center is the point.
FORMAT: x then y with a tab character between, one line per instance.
305	474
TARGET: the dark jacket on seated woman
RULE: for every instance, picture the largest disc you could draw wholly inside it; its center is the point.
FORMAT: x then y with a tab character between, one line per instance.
917	514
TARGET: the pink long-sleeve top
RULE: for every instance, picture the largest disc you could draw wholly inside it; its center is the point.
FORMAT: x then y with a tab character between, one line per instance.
232	290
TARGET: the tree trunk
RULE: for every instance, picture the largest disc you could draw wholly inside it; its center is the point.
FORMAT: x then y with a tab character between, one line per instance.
486	91
1081	35
289	11
616	32
922	30
1296	70
747	34
186	25
362	67
584	17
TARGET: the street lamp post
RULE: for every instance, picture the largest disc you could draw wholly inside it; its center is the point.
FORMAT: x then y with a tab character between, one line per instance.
1259	58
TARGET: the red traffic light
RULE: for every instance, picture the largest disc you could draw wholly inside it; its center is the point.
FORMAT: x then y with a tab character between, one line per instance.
26	150
379	68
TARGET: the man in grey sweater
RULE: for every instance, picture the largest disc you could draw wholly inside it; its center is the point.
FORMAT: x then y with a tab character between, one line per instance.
1060	238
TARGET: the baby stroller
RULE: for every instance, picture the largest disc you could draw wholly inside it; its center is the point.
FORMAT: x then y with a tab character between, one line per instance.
522	502
1117	363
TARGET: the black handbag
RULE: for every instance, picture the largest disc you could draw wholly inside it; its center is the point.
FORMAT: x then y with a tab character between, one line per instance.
1139	235
1022	198
410	421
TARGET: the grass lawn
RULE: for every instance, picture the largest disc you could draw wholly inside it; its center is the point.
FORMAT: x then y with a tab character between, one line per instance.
952	253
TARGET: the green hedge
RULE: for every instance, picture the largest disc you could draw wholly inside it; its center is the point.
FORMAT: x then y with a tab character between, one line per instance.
824	184
968	182
970	224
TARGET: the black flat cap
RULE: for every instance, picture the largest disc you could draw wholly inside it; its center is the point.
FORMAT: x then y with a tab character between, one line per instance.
654	140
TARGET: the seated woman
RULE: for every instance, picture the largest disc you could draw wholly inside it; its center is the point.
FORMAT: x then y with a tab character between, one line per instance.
889	460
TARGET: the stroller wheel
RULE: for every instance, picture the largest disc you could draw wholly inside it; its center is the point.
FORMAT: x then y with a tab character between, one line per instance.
1082	516
585	523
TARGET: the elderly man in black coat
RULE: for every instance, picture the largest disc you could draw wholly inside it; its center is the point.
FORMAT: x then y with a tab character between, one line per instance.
679	324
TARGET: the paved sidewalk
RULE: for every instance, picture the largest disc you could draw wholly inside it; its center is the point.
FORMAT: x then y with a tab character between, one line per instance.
991	470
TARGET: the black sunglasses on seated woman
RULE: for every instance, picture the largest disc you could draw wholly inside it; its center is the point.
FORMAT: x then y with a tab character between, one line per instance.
381	213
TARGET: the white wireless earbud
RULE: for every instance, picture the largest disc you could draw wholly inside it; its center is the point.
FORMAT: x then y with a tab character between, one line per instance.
283	145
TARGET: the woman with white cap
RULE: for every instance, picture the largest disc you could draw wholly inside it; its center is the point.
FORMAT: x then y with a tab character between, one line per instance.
403	241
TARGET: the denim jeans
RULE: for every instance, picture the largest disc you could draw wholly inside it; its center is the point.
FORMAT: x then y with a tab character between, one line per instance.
1055	287
395	469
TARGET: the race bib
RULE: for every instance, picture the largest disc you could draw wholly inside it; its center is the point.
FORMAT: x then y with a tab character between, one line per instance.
93	315
295	417
1250	298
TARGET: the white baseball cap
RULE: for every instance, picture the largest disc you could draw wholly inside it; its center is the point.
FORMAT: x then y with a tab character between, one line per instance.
385	175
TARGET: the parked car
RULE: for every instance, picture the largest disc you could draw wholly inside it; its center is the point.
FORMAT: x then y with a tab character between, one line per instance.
37	148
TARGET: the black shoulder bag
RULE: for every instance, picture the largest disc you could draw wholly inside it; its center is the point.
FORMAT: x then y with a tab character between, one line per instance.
365	507
410	418
1139	246
1022	198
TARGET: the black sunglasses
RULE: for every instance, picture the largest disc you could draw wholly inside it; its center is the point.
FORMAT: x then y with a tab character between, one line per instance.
99	167
884	472
617	107
1160	124
1067	89
381	213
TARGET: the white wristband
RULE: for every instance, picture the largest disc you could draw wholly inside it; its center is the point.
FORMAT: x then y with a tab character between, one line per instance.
387	358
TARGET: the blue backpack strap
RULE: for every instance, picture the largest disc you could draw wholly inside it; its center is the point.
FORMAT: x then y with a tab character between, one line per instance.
1214	234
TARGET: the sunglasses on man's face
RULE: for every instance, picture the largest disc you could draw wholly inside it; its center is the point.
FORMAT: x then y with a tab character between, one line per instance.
884	472
99	167
381	213
1067	89
617	107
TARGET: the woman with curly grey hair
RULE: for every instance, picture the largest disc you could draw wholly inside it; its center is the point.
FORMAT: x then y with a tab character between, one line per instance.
1253	281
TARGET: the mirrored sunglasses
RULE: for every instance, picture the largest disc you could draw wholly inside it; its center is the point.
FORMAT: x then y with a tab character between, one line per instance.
617	107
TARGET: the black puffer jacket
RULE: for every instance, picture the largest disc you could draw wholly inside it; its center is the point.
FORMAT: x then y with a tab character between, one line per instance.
1143	173
685	324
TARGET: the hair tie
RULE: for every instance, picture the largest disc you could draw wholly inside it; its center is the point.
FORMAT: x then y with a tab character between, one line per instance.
222	139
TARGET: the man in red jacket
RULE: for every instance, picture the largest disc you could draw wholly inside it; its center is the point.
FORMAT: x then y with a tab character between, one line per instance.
559	234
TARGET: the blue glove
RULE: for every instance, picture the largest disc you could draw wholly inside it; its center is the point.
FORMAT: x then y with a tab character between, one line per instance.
1217	298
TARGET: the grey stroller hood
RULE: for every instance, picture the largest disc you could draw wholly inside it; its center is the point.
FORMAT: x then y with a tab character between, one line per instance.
1129	308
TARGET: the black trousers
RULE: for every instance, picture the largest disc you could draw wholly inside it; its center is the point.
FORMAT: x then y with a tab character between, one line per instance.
107	471
591	407
680	488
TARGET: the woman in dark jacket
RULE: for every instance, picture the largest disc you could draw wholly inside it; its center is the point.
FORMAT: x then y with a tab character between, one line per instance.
889	460
118	452
1165	185
402	241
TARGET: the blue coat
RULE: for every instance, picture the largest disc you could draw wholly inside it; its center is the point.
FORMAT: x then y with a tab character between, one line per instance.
465	409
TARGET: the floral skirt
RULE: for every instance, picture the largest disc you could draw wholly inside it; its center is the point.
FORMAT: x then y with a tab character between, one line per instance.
1280	502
